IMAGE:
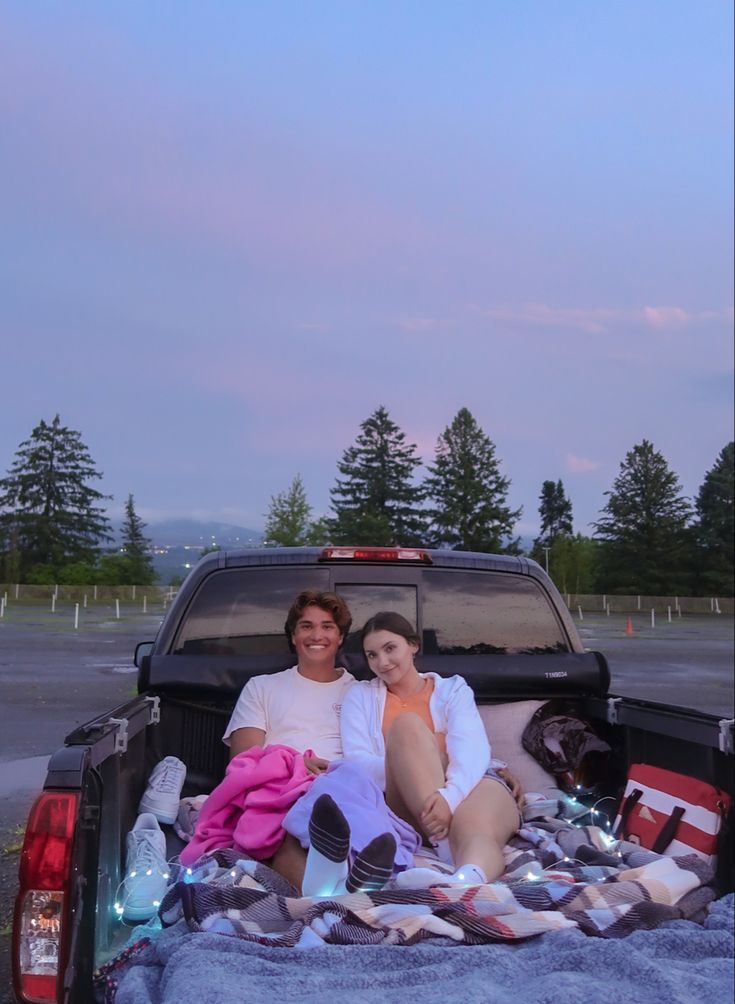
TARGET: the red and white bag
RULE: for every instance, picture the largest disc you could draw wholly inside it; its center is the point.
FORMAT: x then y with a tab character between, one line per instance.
671	813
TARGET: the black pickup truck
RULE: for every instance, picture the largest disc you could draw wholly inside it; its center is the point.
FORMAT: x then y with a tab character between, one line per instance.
496	620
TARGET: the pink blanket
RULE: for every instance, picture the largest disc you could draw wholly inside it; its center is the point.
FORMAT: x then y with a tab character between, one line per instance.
246	810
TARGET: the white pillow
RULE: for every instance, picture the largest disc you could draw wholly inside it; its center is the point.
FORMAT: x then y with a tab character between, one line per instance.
504	724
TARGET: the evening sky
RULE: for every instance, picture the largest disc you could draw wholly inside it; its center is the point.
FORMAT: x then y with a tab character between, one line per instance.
230	231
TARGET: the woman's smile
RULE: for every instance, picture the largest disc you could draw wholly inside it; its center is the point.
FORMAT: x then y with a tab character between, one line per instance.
390	657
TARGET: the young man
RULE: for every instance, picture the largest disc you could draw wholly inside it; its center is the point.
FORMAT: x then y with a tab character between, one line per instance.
299	707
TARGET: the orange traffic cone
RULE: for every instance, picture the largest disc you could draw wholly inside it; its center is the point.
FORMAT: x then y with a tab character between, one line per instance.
629	627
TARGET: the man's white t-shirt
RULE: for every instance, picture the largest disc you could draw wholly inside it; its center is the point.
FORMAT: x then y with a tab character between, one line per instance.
293	710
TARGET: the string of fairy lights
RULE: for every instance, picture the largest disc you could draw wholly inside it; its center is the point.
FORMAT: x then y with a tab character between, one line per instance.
574	811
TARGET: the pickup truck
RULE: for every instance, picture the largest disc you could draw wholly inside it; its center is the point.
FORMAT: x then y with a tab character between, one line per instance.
496	620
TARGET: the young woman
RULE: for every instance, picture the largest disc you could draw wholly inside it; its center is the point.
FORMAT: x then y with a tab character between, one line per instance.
421	738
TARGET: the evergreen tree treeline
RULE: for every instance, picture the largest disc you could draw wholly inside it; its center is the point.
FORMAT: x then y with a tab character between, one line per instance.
649	539
375	501
644	527
53	527
469	494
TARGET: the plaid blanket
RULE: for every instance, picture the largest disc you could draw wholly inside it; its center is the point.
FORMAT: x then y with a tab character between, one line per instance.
557	876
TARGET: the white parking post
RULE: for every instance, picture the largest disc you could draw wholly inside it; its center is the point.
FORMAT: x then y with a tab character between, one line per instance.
76	616
133	596
85	601
604	601
607	608
2	608
145	604
95	592
53	603
639	603
717	606
653	617
17	587
669	609
117	609
581	615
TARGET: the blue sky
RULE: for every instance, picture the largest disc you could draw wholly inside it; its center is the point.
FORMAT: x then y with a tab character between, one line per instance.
231	231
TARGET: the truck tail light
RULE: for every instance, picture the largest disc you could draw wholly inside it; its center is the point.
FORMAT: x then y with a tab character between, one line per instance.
41	921
376	554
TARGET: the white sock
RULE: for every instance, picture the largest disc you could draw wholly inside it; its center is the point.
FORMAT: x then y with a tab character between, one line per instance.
423	878
322	876
468	875
329	844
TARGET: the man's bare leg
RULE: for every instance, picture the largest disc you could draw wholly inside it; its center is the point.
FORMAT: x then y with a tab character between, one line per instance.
290	861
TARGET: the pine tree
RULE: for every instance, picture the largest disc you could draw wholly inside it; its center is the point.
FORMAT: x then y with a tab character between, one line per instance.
470	495
643	529
47	507
288	520
136	548
714	529
375	501
555	512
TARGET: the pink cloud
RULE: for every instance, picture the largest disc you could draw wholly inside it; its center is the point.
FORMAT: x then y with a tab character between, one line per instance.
596	320
580	465
665	317
592	320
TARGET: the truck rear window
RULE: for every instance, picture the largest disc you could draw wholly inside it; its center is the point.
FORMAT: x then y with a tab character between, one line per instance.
242	612
478	613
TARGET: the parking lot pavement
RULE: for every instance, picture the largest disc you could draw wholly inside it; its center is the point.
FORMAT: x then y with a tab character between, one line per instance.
688	662
52	678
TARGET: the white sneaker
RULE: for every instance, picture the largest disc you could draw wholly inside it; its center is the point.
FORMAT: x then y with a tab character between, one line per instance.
161	797
146	869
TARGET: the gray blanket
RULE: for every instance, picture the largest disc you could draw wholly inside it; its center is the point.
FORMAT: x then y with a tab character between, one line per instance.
573	918
680	961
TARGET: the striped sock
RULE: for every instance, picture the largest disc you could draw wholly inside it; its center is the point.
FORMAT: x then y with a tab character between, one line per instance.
329	845
373	866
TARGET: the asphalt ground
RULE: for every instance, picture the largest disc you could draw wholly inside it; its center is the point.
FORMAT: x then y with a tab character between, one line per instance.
687	662
54	677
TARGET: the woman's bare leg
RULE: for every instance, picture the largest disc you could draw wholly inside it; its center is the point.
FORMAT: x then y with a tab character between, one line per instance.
413	767
481	827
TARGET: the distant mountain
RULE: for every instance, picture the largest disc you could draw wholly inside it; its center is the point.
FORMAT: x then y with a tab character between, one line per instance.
197	533
178	543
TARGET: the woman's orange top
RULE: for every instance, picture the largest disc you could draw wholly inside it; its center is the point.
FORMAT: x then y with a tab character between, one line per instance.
419	705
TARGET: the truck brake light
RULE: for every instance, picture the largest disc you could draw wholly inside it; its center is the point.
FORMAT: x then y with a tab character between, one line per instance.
41	921
376	554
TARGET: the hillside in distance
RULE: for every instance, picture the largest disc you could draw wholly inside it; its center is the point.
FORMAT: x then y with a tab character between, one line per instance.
198	533
177	544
